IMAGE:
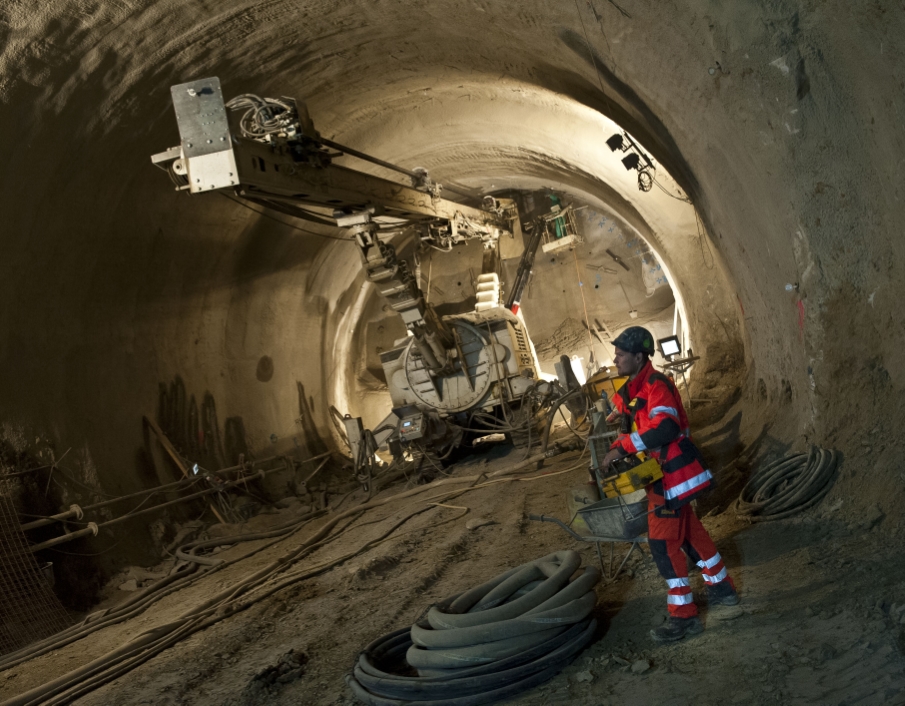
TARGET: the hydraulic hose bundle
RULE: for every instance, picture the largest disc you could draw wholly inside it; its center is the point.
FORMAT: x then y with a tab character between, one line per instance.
539	405
489	643
788	486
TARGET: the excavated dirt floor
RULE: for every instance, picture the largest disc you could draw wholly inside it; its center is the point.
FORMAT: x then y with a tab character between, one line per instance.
823	599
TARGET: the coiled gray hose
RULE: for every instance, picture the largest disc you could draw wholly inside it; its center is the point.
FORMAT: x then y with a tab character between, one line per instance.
788	486
489	643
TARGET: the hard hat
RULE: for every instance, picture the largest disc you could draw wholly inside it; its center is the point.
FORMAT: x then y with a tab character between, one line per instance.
635	339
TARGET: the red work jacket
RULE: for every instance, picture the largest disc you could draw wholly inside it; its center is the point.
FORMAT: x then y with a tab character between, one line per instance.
651	401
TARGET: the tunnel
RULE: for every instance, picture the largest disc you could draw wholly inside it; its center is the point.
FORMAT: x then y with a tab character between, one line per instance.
774	132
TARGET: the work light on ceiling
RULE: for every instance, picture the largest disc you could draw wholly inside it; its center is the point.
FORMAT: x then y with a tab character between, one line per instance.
636	159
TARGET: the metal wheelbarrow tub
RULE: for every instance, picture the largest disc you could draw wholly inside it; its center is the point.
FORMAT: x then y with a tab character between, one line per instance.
622	517
619	519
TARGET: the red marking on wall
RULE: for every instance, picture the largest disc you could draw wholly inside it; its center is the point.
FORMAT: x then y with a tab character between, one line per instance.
740	305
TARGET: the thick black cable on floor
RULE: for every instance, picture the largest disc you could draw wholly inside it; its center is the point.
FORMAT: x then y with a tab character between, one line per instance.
487	644
553	408
788	486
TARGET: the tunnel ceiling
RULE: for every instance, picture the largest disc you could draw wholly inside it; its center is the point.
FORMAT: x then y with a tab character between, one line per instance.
780	120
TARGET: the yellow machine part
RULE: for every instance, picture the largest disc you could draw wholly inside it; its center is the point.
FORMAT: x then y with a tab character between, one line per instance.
632	480
603	382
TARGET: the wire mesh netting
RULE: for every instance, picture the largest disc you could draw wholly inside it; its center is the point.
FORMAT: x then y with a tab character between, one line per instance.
29	610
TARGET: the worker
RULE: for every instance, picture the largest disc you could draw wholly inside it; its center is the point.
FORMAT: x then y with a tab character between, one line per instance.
654	421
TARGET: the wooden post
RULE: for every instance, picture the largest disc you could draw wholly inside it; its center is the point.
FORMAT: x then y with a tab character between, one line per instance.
177	459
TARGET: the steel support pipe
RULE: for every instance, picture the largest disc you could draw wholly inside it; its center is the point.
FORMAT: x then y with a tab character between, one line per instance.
90	529
74	511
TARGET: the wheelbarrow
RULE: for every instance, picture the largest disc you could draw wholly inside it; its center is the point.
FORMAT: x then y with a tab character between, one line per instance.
613	520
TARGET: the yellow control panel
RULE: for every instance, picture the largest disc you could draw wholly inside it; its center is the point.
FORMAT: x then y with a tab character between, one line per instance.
633	479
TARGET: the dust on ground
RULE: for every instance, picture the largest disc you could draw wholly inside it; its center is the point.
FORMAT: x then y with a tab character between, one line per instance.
823	599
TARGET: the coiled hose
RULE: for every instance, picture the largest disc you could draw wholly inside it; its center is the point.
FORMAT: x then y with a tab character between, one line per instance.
489	643
788	486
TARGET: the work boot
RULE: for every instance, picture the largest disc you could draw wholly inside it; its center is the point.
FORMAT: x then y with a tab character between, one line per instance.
722	601
677	628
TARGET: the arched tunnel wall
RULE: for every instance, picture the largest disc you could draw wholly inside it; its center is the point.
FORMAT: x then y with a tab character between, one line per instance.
780	119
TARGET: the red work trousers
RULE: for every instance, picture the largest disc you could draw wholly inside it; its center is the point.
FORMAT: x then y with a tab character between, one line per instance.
675	536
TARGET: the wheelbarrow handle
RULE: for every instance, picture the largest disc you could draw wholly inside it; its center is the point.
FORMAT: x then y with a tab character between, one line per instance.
544	518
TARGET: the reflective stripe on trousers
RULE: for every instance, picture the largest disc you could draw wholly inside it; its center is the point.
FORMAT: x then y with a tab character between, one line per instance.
711	562
684	599
716	578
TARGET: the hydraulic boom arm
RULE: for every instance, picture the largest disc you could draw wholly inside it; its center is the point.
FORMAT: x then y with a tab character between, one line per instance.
275	157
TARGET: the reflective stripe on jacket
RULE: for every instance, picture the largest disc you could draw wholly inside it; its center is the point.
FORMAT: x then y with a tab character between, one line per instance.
651	404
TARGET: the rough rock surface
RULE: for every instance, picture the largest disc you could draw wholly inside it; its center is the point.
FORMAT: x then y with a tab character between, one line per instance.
568	337
780	119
